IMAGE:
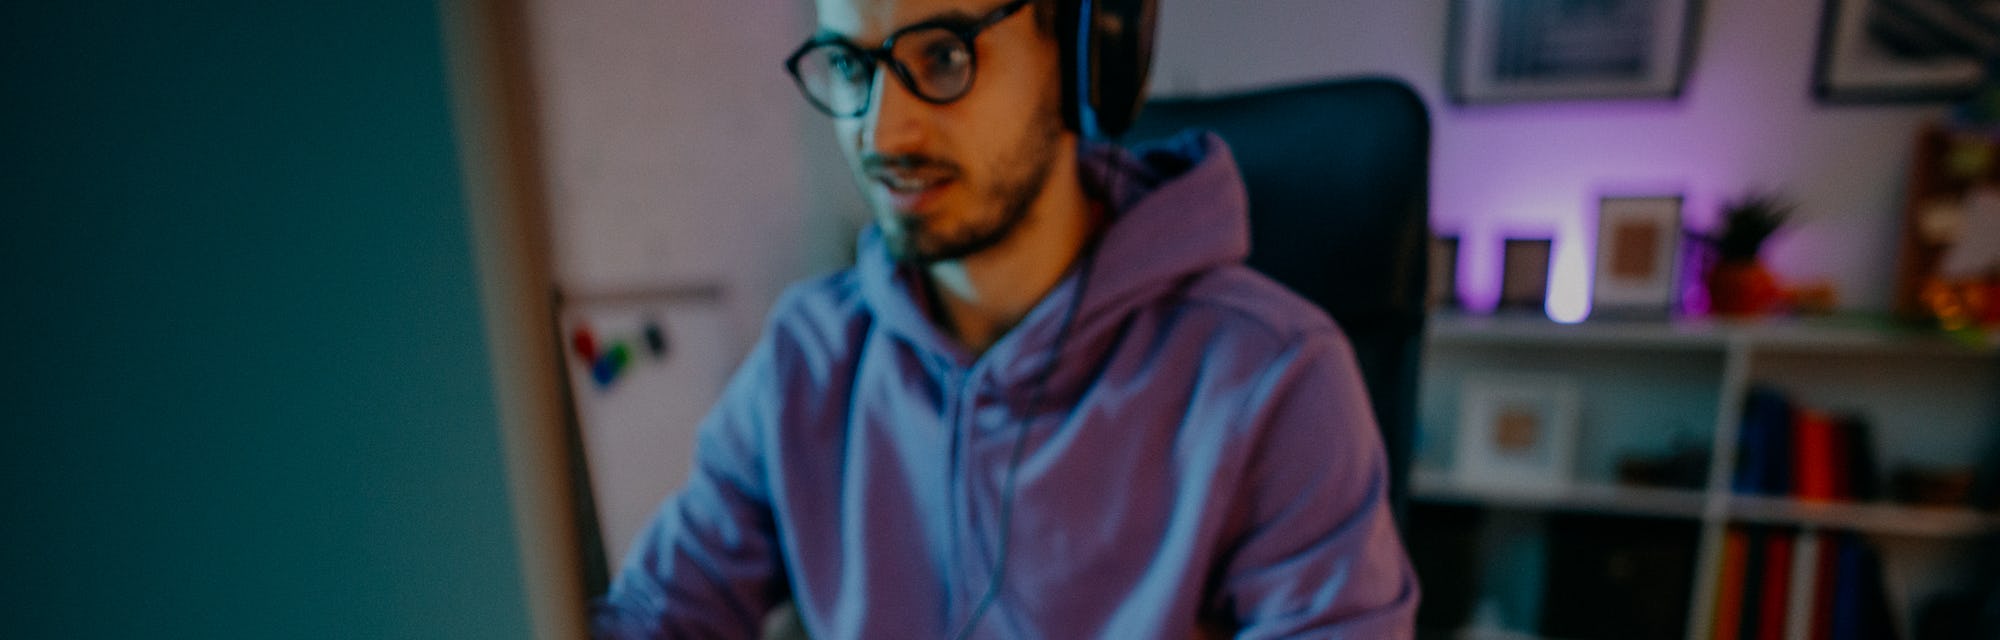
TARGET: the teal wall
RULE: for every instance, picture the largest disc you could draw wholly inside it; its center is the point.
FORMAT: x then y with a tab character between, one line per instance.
245	387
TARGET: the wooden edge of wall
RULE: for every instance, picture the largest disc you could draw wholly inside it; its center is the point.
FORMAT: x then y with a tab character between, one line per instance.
494	114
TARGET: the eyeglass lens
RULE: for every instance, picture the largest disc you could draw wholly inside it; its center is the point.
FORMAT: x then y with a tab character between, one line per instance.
934	63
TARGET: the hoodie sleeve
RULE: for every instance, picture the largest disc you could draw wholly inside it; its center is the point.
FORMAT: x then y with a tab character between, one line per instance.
1317	554
708	565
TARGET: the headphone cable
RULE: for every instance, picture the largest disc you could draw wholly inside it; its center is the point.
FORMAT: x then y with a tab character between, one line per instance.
1089	259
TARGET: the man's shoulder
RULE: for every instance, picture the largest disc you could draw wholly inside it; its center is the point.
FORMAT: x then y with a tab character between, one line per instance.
1255	303
833	295
820	315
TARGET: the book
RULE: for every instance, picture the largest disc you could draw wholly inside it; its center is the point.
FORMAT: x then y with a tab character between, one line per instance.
1840	449
1860	600
1763	451
1863	476
1813	465
1729	585
1823	586
1753	580
1774	590
1785	448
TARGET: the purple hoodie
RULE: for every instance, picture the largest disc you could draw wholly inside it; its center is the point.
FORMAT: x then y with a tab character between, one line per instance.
1203	454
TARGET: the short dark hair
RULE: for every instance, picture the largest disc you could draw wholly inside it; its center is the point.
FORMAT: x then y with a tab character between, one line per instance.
1045	15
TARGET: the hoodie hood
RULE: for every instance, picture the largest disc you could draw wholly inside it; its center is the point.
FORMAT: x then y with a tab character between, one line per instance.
1177	208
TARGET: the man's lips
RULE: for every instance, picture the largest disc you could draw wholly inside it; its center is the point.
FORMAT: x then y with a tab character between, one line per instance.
909	182
912	195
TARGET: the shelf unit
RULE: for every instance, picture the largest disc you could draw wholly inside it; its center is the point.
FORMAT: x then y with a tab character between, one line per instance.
1934	399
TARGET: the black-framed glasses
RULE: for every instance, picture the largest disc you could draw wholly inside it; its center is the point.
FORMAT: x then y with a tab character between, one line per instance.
933	59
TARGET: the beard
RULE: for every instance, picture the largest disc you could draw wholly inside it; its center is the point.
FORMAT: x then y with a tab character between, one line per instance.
1020	176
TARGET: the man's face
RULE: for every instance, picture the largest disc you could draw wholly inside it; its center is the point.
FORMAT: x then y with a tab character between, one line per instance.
949	181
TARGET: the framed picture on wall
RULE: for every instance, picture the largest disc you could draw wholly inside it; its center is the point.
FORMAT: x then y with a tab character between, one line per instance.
1903	50
1516	430
1535	50
1638	256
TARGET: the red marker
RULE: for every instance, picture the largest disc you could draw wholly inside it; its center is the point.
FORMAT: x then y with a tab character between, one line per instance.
584	342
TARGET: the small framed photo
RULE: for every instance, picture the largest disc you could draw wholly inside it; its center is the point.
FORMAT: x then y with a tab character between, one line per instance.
1443	282
1524	274
1638	256
1900	51
1536	50
1516	430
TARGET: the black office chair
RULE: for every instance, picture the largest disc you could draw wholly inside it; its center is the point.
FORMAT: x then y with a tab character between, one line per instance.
1338	175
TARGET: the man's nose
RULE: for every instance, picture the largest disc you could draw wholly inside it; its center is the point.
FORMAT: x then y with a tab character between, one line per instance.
895	121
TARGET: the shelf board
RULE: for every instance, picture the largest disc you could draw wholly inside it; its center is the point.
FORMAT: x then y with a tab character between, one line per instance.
1839	334
1934	522
1490	633
1433	486
1447	328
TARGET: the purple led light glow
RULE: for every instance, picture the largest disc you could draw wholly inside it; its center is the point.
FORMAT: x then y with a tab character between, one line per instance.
1538	170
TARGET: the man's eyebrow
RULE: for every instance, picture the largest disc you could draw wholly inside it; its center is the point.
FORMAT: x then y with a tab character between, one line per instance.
954	16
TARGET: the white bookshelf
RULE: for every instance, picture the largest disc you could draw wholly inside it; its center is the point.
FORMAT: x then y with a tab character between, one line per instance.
1932	399
1875	518
1436	486
1844	335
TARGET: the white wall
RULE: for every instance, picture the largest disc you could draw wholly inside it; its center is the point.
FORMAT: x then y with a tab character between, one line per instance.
1747	119
673	143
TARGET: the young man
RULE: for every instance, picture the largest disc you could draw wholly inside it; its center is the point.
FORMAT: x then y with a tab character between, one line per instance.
1048	401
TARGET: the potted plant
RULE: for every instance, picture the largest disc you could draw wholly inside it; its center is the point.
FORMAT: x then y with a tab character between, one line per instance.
1738	283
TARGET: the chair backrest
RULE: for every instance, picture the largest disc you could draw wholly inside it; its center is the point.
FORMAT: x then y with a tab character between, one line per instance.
1338	175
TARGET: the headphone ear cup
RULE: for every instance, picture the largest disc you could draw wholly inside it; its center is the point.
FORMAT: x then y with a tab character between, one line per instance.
1117	60
1106	54
1067	15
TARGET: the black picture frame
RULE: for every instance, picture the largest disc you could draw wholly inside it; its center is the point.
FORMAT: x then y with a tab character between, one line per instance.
1505	51
1443	283
1524	274
1883	51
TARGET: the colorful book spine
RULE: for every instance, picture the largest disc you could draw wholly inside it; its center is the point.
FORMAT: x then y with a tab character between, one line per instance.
1783	584
1813	464
1753	583
1862	476
1846	621
1762	451
1774	587
1787	449
1729	585
1823	585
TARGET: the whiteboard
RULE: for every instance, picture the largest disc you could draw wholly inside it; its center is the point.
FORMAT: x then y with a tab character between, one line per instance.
638	427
